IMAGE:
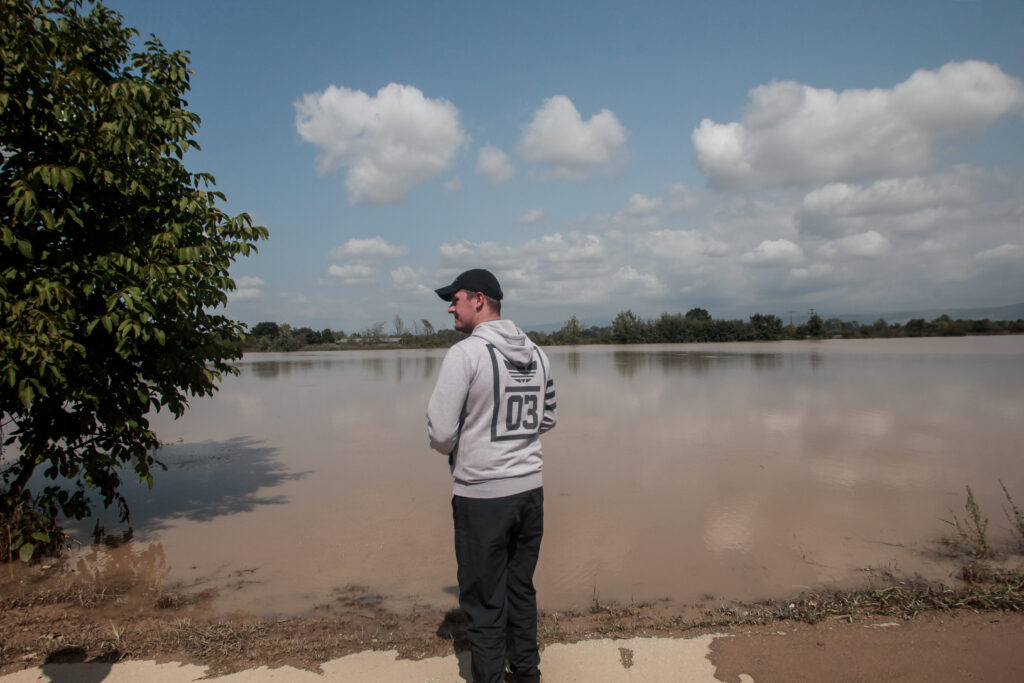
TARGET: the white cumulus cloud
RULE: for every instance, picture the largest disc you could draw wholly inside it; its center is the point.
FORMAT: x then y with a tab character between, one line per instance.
905	205
373	247
867	244
1003	254
246	287
352	273
682	198
793	133
409	281
774	252
567	146
494	164
573	268
388	142
818	270
404	275
532	217
244	293
642	205
679	245
630	277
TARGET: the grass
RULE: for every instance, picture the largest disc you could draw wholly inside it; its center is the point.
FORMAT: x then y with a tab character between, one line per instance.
892	597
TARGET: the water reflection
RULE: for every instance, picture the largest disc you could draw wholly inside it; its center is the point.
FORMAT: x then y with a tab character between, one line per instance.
202	481
273	366
629	363
273	369
213	478
375	365
766	362
572	359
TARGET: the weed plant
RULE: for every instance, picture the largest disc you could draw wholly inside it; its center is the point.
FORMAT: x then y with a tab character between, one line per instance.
1016	517
970	536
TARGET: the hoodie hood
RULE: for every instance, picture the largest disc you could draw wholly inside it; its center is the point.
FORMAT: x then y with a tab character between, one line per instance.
510	341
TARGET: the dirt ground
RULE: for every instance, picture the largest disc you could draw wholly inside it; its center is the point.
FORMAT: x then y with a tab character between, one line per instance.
47	619
939	647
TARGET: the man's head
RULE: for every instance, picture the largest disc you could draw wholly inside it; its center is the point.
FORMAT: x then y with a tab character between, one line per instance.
475	297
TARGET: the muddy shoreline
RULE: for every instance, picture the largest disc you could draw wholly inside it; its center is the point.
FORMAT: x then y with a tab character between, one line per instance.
47	621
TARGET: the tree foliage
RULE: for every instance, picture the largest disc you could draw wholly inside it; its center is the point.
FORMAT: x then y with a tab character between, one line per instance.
115	256
629	328
571	333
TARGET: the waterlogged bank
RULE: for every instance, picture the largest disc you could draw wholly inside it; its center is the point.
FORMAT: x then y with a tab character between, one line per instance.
740	471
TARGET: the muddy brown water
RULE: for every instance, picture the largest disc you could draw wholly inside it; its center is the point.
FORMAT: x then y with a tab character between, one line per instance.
741	471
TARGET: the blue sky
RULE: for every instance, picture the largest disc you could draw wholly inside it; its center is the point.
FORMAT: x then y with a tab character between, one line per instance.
602	156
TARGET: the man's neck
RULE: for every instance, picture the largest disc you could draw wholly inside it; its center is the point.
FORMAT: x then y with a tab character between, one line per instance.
485	319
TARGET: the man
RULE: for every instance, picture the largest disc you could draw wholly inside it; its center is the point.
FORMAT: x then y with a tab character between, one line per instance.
494	397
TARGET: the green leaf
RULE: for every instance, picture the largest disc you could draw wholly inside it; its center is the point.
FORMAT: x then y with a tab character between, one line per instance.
41	537
25	394
26	551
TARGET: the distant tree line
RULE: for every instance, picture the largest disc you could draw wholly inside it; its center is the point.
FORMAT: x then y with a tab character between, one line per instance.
270	336
696	325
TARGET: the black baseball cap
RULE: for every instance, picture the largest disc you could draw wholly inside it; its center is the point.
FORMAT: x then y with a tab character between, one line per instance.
476	280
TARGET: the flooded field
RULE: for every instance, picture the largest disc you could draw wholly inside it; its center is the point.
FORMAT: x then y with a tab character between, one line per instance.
739	471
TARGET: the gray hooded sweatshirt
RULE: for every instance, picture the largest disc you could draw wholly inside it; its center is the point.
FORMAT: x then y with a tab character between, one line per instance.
493	399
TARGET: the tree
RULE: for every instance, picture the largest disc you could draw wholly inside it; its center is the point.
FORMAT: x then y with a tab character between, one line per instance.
265	329
571	332
399	326
374	333
307	336
115	259
628	328
815	326
916	327
428	327
765	327
670	327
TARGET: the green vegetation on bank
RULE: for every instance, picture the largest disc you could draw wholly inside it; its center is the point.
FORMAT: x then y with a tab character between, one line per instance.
696	325
270	336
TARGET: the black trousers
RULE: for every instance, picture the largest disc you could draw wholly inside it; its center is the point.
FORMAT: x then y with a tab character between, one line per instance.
497	541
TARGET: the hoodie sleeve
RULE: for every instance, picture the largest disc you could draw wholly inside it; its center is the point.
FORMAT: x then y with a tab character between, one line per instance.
550	417
445	408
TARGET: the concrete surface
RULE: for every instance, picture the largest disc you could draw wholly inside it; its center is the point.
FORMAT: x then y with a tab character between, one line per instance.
608	661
